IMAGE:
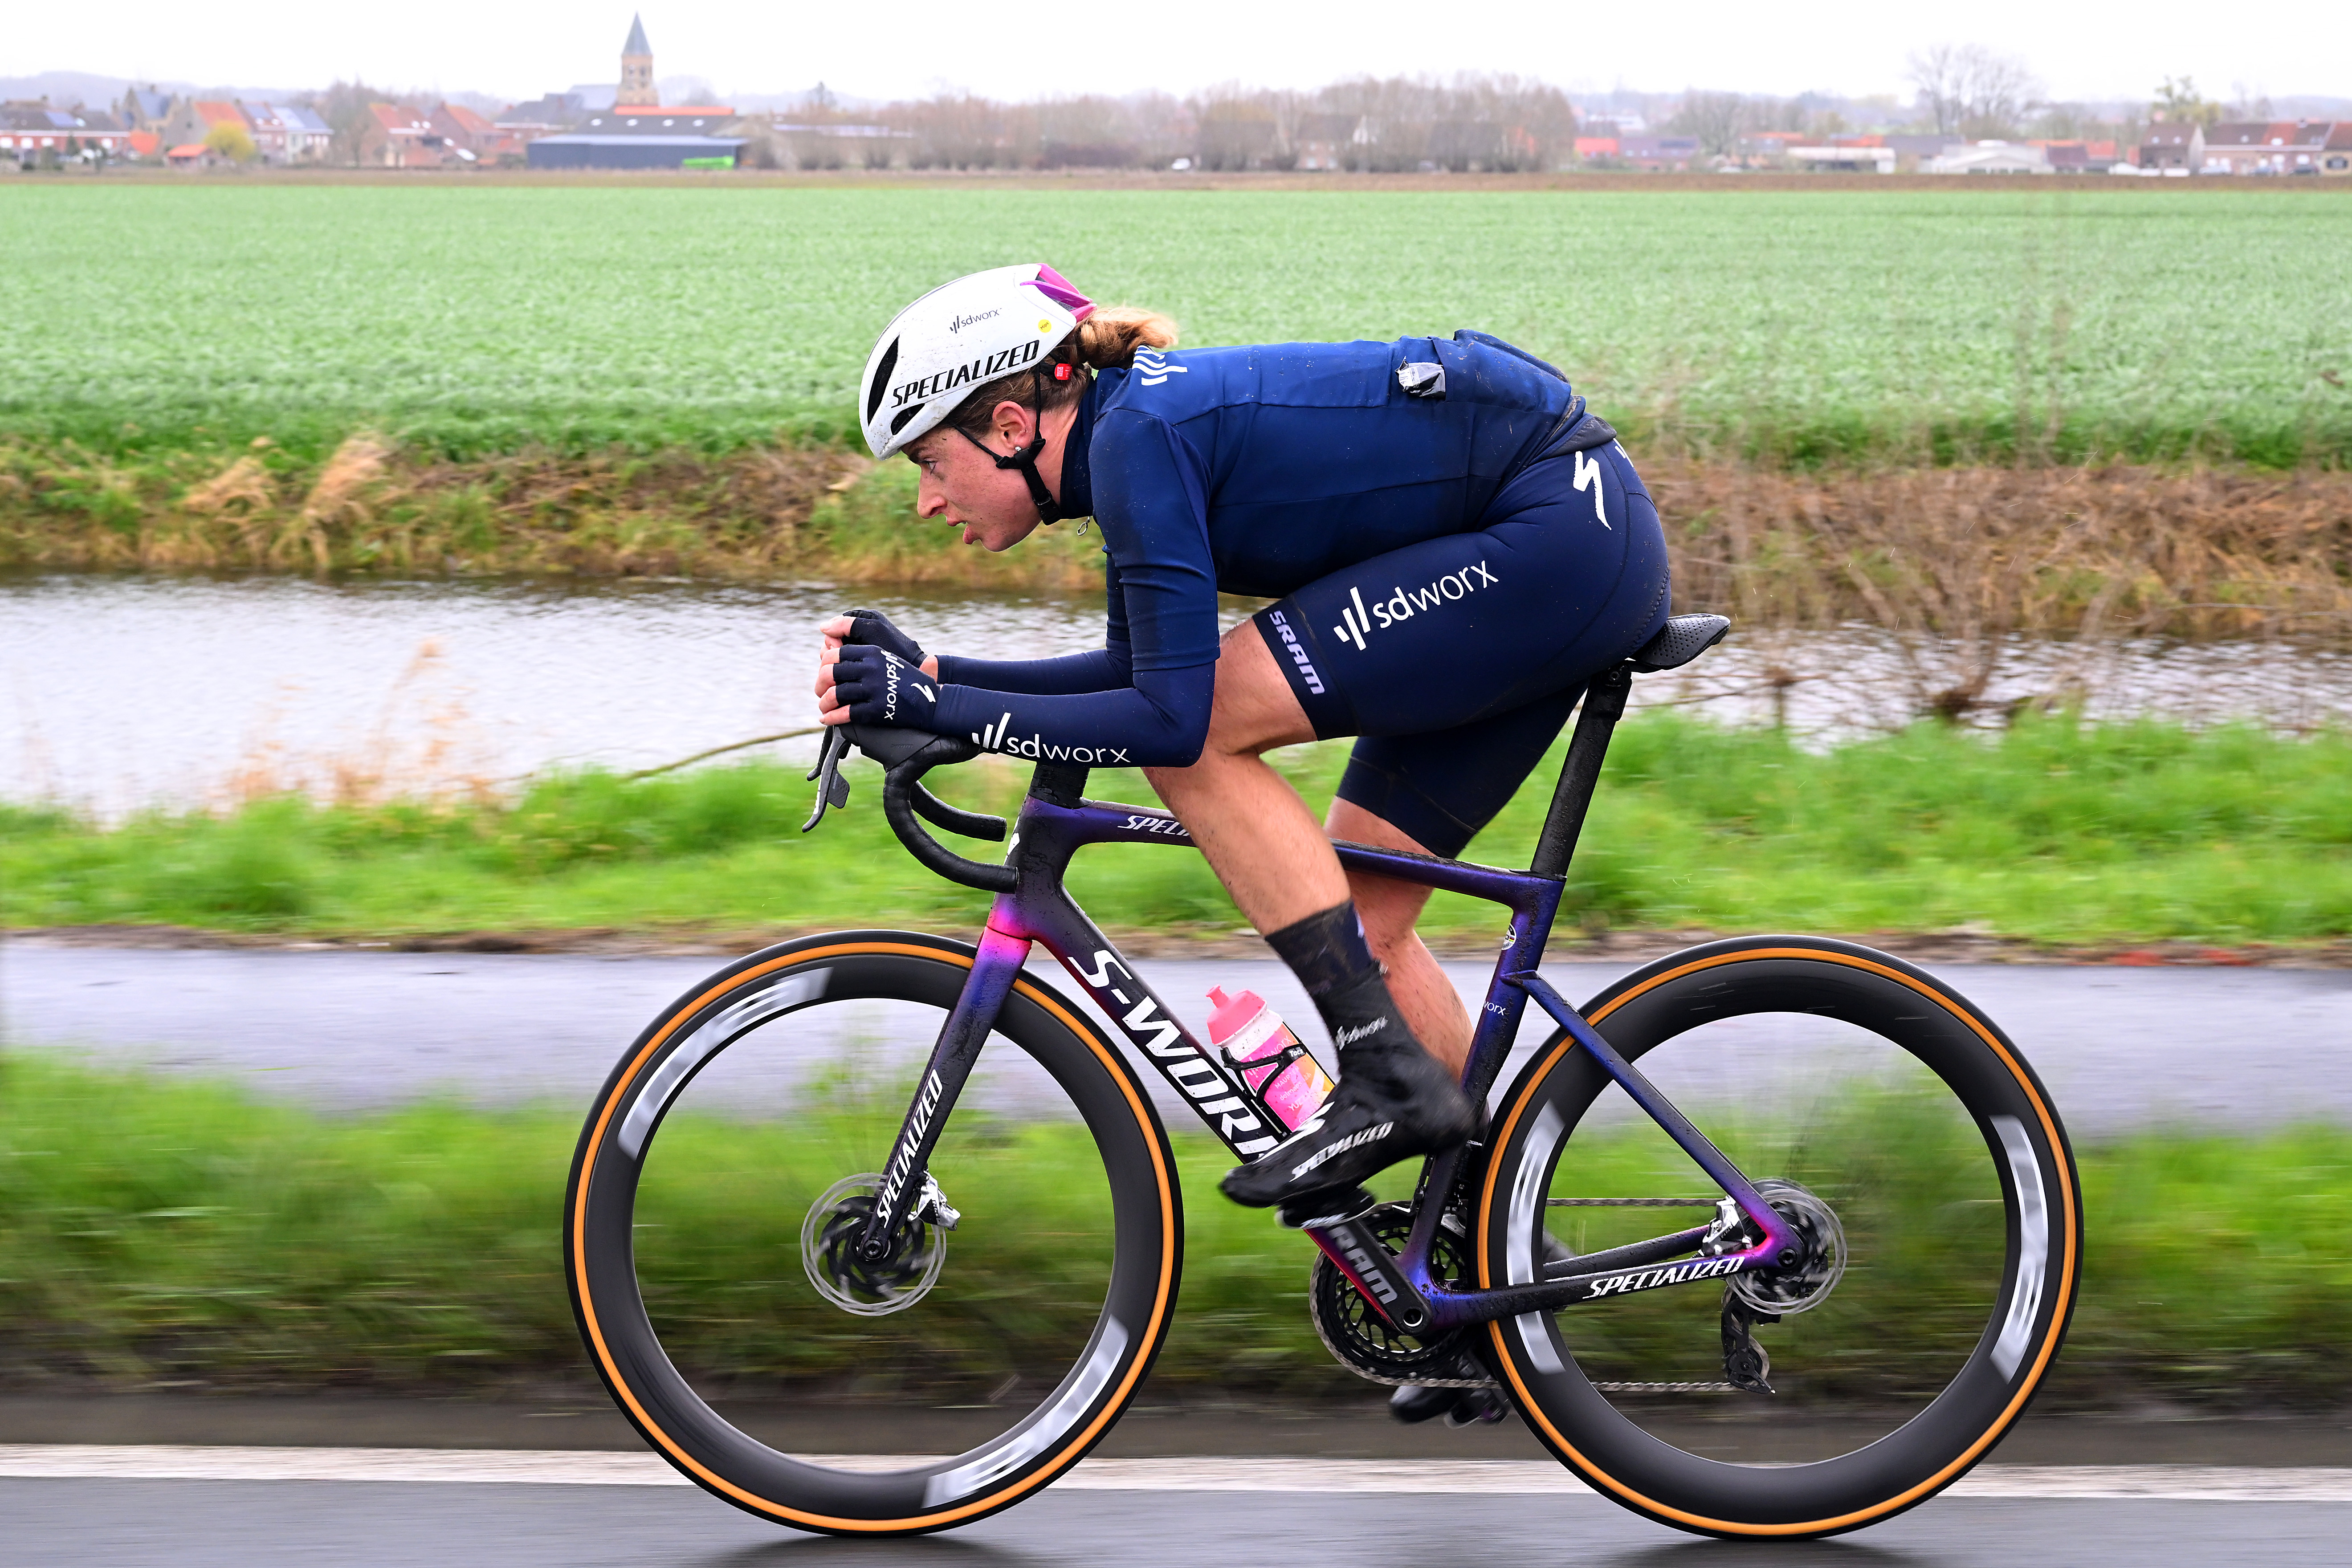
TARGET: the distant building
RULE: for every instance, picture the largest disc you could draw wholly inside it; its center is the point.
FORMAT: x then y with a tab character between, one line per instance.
469	136
1327	142
193	118
1587	147
143	108
1848	154
2266	147
395	137
2335	158
1657	153
1990	158
637	70
2172	144
1913	151
35	134
661	138
552	111
2077	157
287	133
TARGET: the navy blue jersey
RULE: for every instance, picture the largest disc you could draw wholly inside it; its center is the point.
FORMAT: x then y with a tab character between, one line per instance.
1253	470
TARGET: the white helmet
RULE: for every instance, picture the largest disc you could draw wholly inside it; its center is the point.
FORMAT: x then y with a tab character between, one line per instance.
957	336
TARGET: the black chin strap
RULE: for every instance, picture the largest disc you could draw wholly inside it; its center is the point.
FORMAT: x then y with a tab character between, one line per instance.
1025	459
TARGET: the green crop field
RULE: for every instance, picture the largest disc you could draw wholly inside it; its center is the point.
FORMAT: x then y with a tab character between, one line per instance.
2049	323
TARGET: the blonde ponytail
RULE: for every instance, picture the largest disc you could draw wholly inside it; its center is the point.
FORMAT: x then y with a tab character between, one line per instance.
1107	339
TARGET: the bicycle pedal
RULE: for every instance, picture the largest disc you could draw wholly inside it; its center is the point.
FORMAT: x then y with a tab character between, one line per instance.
1325	1208
1478	1407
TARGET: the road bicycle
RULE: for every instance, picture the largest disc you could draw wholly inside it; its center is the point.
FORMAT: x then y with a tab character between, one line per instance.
1885	1245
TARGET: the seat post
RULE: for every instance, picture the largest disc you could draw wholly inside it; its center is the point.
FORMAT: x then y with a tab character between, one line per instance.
1604	704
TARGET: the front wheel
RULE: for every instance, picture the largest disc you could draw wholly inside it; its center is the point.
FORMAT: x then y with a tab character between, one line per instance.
723	1175
1906	1136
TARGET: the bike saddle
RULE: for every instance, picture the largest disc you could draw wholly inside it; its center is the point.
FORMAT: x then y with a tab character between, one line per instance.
1682	640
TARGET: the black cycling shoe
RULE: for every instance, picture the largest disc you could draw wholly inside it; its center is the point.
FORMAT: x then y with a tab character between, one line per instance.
1415	1403
1394	1101
1328	1206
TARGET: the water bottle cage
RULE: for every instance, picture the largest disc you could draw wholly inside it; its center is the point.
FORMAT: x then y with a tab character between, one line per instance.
1280	1061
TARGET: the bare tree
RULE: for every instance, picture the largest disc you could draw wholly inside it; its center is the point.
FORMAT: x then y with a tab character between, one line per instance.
1971	91
2179	102
1713	117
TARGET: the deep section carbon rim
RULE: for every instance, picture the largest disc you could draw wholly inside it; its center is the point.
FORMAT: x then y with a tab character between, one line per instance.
1924	1140
728	1122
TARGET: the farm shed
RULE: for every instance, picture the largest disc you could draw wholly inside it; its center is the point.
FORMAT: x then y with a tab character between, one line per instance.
587	149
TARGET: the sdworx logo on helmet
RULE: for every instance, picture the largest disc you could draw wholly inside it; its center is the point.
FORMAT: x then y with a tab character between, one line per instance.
958	336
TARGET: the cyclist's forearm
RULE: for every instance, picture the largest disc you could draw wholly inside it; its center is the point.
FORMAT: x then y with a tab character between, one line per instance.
1103	669
1161	720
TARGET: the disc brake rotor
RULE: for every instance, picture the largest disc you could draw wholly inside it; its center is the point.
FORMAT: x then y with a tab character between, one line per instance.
870	1289
1783	1291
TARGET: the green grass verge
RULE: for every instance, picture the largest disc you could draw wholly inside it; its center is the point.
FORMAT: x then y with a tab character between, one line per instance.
2052	831
164	1229
1805	327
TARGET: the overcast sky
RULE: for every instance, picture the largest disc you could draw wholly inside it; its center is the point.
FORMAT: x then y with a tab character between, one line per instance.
521	48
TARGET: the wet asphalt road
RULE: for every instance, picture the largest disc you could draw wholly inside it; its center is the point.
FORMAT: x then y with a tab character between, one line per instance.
254	1524
2119	1047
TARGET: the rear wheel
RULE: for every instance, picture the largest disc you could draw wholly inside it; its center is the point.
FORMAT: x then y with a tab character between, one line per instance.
721	1177
1902	1134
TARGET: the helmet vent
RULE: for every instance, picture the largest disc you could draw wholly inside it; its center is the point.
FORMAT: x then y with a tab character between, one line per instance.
881	381
899	420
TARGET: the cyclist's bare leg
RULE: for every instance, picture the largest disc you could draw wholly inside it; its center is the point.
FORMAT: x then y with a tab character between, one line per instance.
1389	909
1394	1099
1260	838
1276	861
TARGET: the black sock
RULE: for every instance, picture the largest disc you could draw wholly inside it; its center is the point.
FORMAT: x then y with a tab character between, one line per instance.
1328	954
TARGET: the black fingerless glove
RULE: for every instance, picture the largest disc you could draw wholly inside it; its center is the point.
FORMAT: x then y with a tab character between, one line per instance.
872	628
877	687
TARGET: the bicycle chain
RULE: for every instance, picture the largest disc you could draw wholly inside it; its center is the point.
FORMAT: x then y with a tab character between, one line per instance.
1369	1376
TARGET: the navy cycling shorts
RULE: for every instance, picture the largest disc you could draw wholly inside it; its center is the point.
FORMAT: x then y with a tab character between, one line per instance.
1457	661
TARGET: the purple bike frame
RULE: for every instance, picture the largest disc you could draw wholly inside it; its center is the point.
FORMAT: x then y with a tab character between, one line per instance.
1038	910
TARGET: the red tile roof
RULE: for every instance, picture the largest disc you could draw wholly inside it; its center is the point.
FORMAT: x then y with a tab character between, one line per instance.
212	111
399	122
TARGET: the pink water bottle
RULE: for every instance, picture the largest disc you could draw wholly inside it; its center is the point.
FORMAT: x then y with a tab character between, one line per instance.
1287	1080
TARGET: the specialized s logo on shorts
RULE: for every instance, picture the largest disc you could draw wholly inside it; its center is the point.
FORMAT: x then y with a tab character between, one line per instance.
1357	622
1588	476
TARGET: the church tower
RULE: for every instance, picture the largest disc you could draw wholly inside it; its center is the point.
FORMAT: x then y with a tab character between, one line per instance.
637	70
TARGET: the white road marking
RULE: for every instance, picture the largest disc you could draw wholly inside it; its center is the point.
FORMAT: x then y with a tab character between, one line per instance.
2181	1483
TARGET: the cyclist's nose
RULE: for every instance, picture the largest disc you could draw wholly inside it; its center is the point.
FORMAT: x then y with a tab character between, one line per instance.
931	500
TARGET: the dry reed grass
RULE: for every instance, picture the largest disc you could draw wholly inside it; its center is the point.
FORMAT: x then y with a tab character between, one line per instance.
1960	556
1957	563
373	506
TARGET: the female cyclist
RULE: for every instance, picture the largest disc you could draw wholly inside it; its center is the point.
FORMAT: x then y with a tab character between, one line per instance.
1453	545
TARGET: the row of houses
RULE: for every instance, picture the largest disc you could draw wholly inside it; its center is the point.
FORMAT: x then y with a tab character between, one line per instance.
147	125
2253	147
